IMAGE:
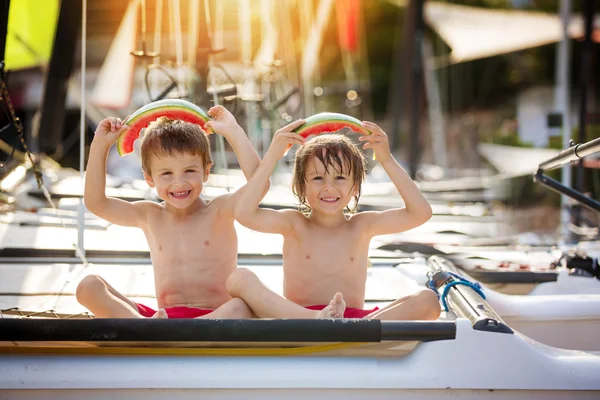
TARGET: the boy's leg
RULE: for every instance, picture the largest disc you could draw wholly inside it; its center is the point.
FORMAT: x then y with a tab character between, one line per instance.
235	308
422	305
244	284
104	301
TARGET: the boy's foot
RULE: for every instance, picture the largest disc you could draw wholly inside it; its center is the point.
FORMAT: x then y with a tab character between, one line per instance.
160	314
335	308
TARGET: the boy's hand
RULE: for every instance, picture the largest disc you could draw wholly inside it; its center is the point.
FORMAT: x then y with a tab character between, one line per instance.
377	140
109	130
223	122
284	139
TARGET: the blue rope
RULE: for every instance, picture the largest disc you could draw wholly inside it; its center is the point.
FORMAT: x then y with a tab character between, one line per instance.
431	285
475	286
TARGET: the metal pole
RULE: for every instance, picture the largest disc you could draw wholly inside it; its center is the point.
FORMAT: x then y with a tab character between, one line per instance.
556	186
396	105
563	105
47	130
202	57
211	57
82	125
416	77
4	7
571	154
434	107
586	64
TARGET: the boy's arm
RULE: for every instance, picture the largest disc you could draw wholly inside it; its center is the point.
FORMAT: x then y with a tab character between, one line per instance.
417	210
117	211
247	210
224	124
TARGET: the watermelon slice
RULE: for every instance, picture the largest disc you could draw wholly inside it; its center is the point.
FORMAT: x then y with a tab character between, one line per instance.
329	122
170	108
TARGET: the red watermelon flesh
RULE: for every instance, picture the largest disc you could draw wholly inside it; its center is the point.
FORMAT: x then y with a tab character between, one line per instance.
329	122
170	108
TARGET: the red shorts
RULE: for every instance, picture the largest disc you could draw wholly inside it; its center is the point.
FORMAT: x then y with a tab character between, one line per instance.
349	313
174	312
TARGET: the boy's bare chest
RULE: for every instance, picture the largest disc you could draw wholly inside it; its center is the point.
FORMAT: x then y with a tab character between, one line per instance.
194	234
329	247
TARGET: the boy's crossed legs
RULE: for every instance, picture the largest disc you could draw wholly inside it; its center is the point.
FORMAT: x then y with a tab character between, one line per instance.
243	283
104	301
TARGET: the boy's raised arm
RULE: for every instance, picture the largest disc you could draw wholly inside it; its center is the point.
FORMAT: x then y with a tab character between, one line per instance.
247	210
417	210
117	211
224	124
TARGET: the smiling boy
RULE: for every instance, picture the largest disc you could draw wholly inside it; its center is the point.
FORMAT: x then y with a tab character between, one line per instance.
192	241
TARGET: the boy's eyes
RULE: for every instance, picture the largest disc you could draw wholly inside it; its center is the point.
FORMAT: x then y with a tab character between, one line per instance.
170	173
339	178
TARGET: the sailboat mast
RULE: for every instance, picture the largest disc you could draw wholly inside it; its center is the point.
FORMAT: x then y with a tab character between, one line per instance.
82	125
562	104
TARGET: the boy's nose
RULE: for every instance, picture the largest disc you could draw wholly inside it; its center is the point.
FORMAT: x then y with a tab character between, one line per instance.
329	185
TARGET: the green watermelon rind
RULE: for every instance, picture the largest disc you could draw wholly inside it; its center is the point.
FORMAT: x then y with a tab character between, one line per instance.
325	118
160	107
168	103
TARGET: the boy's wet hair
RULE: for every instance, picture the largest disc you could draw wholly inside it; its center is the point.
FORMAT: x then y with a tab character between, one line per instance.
166	137
334	151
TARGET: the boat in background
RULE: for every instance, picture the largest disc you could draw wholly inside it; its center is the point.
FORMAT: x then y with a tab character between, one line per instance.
568	321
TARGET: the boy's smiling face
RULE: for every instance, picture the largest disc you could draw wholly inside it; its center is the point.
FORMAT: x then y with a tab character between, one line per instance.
178	179
328	190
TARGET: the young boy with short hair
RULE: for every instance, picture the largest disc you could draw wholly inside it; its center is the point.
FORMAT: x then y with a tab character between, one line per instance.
193	242
325	248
